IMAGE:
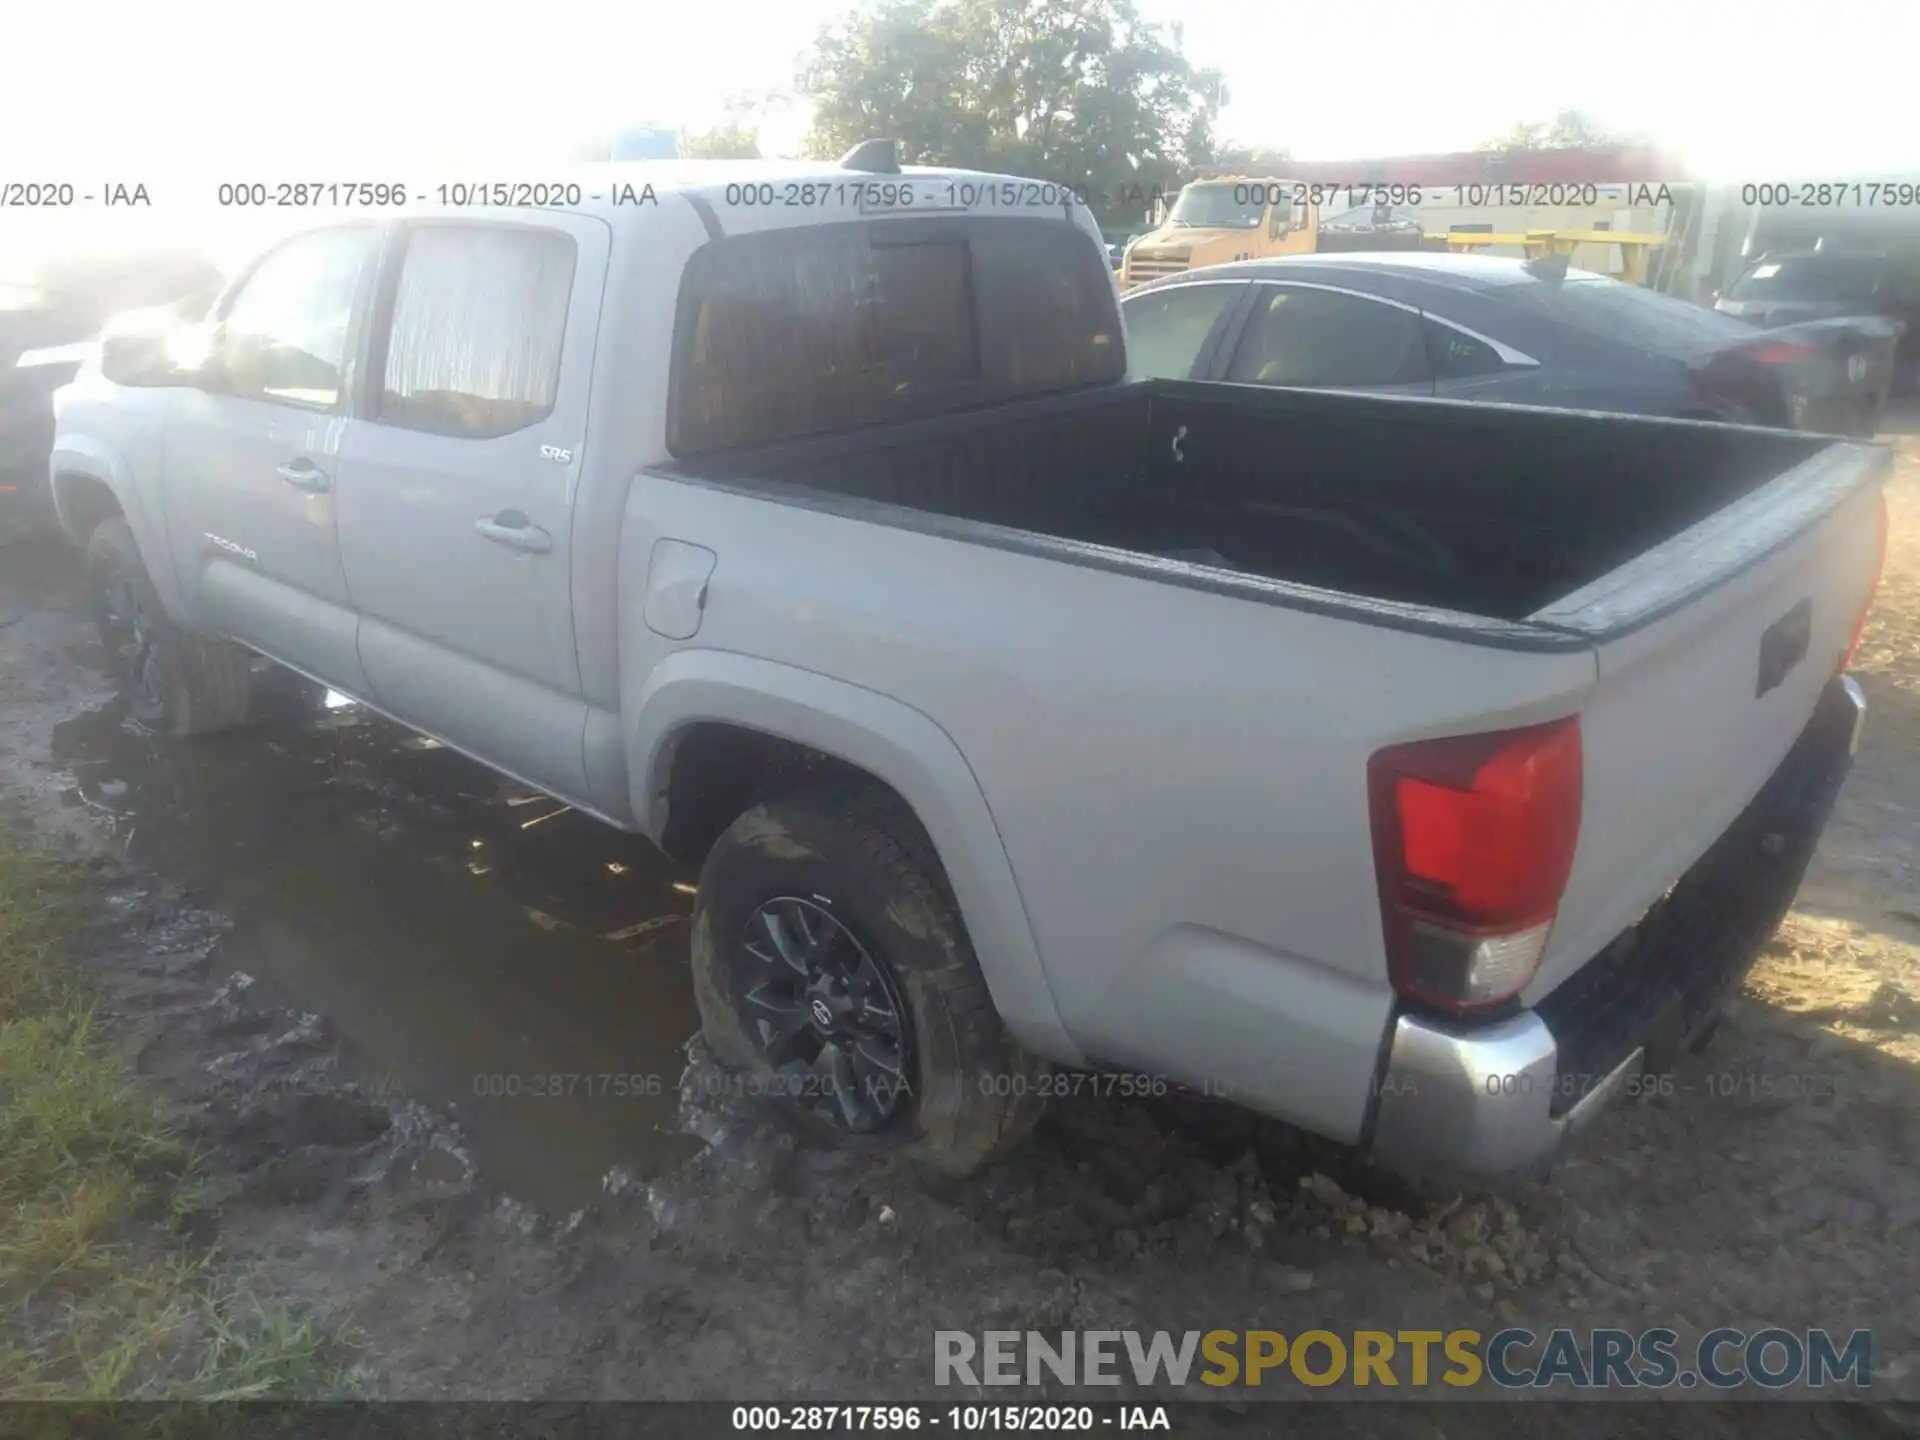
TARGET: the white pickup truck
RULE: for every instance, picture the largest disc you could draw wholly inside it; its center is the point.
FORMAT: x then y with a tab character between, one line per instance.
1418	772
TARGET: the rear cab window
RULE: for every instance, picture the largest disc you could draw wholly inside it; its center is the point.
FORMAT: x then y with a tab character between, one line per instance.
799	331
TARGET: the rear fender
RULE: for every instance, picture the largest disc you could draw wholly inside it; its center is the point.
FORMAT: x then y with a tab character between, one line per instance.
897	744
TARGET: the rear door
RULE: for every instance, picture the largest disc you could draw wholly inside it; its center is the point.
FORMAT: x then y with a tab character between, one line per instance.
253	454
1711	662
456	501
1325	338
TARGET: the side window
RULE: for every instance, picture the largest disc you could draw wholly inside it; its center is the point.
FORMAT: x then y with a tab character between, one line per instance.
1297	336
1167	328
479	315
284	333
1458	356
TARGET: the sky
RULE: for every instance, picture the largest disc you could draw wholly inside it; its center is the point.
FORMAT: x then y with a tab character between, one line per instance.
185	95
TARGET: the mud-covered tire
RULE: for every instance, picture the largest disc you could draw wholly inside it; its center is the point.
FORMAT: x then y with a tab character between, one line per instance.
859	852
174	681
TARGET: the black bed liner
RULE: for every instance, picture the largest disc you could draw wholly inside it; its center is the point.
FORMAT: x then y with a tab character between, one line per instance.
1423	514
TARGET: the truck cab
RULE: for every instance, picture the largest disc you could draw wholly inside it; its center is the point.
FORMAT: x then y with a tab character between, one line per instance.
1239	217
1218	221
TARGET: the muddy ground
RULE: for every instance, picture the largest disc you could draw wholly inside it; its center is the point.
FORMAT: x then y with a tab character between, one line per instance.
337	948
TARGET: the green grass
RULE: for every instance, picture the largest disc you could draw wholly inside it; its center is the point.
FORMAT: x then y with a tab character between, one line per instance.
103	1296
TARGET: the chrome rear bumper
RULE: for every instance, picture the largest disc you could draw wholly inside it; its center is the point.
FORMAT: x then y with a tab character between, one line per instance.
1507	1094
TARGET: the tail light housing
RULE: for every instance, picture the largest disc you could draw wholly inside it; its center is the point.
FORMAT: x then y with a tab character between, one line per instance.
1782	352
1473	839
1873	587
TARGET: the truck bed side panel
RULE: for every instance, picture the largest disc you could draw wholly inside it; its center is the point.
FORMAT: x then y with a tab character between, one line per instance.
1178	775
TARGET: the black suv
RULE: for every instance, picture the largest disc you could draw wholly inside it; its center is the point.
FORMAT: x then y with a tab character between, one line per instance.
1785	288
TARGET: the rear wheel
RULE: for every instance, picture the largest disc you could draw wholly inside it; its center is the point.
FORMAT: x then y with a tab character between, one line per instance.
176	682
831	967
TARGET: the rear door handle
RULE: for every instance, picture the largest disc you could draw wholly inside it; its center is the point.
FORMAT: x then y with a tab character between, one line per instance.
514	530
303	474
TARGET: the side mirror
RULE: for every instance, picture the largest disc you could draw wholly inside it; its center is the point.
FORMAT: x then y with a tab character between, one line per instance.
135	359
153	355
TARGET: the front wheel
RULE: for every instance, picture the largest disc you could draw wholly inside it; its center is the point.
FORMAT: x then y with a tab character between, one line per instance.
176	682
831	968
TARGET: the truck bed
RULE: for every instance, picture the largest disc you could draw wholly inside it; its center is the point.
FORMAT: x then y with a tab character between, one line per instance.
1489	511
1169	625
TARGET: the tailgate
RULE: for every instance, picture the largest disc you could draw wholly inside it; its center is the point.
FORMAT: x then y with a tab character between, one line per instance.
1712	652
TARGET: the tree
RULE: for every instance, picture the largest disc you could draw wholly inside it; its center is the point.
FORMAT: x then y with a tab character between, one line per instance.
743	119
1522	135
1251	159
1077	92
1570	129
723	142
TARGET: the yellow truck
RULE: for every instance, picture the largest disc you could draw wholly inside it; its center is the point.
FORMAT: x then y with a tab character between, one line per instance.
1222	219
1238	217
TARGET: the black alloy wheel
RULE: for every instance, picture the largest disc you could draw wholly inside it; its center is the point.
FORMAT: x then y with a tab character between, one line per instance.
834	976
827	1016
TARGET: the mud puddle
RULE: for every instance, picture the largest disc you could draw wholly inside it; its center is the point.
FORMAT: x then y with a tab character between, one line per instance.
478	946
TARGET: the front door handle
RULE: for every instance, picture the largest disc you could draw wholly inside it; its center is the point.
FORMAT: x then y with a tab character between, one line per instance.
303	474
516	531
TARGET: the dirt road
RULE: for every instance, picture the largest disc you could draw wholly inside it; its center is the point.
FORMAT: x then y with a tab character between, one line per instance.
359	963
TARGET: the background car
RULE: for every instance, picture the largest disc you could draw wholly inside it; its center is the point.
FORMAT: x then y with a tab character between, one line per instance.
1827	283
1478	327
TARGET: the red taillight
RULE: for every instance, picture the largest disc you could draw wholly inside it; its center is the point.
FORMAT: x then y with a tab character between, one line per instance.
1473	840
1873	587
1781	352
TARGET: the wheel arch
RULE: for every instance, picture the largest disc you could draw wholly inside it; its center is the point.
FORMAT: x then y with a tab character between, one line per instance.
92	484
703	713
